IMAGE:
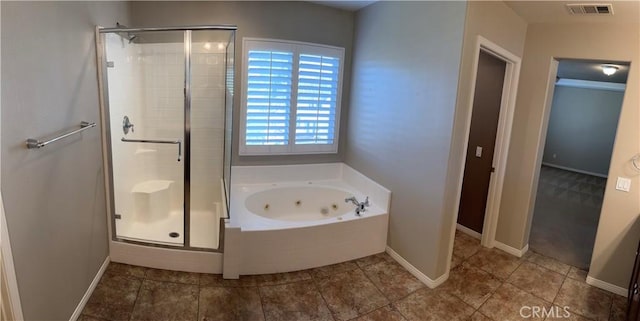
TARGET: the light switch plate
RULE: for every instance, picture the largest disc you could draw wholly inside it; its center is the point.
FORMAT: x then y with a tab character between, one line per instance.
623	184
478	151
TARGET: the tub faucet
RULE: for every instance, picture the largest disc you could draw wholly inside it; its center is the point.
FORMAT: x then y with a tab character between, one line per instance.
360	206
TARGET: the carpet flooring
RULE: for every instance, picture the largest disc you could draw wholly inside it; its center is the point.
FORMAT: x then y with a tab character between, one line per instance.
566	215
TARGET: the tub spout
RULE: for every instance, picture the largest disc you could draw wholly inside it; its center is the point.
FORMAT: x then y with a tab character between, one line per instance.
360	206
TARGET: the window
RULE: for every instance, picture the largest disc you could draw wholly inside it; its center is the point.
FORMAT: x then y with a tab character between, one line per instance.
291	97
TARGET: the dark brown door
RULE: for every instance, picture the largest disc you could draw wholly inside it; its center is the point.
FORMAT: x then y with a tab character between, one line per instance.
482	140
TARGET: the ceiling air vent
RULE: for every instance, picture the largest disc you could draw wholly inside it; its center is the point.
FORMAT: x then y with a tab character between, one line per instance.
590	9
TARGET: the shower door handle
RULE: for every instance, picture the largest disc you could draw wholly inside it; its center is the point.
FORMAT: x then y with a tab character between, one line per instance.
155	141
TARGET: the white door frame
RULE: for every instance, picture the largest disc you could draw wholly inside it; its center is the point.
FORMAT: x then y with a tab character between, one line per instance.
503	137
11	305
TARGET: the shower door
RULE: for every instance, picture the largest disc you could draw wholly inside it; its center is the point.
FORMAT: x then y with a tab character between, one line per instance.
168	97
146	81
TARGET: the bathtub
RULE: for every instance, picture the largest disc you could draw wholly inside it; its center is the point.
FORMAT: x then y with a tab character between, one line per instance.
294	217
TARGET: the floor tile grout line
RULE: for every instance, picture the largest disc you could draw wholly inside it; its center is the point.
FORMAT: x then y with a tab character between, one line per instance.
610	308
198	301
264	312
377	288
136	300
172	282
535	295
317	287
558	294
490	296
540	265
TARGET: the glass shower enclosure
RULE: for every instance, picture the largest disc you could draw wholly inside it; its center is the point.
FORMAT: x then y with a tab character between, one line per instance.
167	98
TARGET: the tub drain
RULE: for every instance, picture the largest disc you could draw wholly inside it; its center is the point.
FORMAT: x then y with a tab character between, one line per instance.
174	234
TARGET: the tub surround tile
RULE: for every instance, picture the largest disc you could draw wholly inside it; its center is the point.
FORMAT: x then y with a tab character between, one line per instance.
465	246
115	268
470	284
507	301
373	259
113	298
430	305
230	304
618	308
350	294
298	301
500	264
173	276
539	281
386	313
549	263
329	270
394	281
585	300
577	274
166	301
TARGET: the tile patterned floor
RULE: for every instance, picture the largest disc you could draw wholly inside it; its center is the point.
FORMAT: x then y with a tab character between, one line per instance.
484	285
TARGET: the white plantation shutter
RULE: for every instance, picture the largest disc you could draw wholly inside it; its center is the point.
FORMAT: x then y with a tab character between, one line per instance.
268	97
291	97
318	78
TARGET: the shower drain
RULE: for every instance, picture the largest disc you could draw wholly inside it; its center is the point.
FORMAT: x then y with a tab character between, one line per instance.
174	234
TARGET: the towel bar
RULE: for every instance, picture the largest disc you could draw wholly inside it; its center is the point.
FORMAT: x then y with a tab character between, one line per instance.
34	143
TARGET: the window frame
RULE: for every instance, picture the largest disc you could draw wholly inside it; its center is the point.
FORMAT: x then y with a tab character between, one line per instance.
297	48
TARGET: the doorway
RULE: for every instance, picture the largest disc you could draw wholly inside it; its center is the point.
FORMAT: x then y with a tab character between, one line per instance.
504	65
582	126
478	167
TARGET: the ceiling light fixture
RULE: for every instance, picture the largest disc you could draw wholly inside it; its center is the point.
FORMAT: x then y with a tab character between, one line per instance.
609	69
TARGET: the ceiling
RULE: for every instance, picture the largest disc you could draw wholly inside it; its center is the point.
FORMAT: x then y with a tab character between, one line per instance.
554	11
624	11
591	70
345	5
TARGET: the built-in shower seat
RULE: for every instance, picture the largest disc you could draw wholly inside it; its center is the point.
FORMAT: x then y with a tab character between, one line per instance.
152	200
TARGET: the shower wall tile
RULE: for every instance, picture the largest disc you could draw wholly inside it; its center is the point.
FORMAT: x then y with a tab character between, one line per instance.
147	85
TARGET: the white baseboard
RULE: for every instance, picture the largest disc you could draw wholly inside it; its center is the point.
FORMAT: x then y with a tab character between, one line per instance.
468	231
415	272
574	170
511	250
607	286
92	286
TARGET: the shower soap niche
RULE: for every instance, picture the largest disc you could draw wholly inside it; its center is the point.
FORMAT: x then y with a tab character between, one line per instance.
152	200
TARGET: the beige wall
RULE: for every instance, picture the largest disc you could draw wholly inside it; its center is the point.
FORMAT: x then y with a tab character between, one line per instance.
405	76
54	197
300	21
618	230
496	22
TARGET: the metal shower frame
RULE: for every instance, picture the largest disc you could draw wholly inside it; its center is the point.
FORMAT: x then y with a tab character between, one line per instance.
101	48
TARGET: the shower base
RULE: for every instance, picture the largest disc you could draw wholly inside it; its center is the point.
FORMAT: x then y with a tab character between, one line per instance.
205	226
